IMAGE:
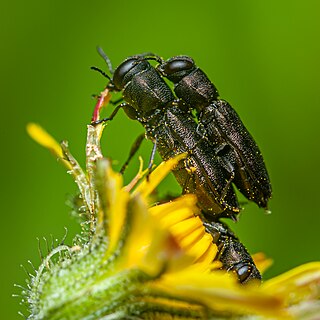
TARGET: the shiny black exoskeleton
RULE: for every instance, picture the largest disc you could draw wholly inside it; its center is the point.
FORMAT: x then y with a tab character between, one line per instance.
222	126
172	129
232	253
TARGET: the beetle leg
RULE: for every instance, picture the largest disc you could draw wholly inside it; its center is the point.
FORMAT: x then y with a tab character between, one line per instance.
185	185
113	114
152	56
201	130
190	169
134	148
115	102
153	152
231	178
222	151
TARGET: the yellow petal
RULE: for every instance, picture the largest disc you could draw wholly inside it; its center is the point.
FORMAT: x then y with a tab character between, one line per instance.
300	283
137	177
178	217
188	230
199	248
167	305
141	231
156	176
148	246
220	291
38	134
113	202
175	211
261	261
206	261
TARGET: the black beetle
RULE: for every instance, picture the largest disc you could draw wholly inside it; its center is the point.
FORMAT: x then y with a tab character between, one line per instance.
170	125
231	252
222	126
172	129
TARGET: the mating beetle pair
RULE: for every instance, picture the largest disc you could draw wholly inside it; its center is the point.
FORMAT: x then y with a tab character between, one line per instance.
221	152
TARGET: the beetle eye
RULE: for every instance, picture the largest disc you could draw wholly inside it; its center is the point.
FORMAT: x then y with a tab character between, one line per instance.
176	68
121	71
177	65
243	272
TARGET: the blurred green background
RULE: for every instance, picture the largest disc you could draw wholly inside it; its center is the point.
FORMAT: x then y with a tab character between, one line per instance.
263	57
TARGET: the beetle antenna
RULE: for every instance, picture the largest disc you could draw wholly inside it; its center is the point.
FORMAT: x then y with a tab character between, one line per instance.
101	72
152	56
105	58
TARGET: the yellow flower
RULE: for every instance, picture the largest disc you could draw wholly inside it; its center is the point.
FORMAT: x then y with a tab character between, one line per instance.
144	261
